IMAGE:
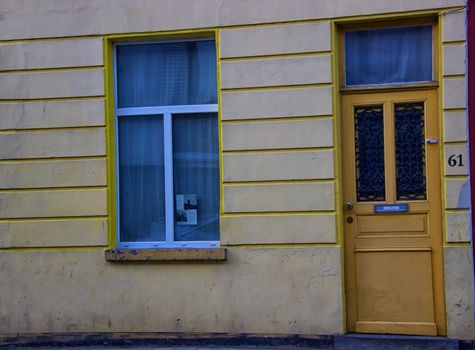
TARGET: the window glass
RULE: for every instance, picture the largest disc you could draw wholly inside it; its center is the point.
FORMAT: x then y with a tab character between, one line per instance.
165	74
167	141
369	153
390	55
196	177
141	171
410	151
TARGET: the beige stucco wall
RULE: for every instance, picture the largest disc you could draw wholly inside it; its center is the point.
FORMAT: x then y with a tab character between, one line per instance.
457	253
280	217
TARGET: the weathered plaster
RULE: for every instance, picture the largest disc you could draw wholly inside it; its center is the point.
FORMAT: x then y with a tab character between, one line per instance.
459	292
256	291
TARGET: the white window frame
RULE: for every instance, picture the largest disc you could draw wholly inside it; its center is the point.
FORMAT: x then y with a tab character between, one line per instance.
166	112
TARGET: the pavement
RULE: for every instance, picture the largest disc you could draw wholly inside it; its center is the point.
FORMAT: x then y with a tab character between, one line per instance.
161	348
337	342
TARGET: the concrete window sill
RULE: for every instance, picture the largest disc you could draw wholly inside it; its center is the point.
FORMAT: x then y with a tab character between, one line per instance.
200	255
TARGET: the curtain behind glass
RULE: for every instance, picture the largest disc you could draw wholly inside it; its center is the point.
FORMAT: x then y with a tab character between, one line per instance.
141	171
164	74
196	177
392	55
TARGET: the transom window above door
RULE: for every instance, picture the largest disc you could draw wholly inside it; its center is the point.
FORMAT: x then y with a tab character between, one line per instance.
391	55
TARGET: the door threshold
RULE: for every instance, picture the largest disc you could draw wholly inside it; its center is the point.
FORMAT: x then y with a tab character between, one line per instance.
369	341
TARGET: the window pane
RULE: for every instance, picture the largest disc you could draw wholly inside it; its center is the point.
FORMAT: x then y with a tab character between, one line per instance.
179	73
369	153
196	177
392	55
141	171
410	151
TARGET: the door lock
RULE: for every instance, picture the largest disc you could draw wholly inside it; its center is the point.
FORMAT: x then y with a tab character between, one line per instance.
348	206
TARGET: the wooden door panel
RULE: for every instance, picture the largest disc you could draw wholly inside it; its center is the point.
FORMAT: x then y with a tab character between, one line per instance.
395	286
393	261
383	225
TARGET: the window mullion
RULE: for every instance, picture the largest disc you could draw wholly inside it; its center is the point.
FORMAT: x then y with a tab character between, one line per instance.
168	168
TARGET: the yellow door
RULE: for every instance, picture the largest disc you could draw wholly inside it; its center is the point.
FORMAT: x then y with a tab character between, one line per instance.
392	214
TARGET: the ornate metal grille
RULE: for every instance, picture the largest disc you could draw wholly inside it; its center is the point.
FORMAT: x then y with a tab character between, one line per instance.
410	151
369	152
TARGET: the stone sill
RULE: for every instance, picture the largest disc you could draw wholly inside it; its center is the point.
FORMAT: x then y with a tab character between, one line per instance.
202	255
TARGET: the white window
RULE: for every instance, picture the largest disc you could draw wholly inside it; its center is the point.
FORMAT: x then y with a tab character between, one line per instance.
167	144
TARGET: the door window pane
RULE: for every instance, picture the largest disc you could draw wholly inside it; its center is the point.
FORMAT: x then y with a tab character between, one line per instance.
369	153
410	151
196	177
389	55
141	174
165	74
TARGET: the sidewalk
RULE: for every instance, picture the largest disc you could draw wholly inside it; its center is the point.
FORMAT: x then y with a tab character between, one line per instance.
337	342
163	348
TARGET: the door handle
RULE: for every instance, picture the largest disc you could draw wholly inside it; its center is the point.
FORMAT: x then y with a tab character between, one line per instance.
348	206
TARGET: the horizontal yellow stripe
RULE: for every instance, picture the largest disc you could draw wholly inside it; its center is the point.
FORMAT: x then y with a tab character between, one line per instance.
455	143
457	210
279	150
163	34
52	159
59	129
454	76
456	177
457	244
455	109
397	15
51	69
276	119
75	37
51	189
286	213
273	88
283	245
273	56
278	213
276	182
47	99
54	218
68	248
455	42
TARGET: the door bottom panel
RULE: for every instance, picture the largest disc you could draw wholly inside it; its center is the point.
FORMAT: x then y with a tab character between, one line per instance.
413	328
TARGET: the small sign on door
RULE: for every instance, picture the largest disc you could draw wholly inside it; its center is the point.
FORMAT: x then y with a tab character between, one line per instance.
391	208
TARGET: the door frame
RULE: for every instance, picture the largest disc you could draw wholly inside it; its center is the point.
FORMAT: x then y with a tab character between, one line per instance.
339	27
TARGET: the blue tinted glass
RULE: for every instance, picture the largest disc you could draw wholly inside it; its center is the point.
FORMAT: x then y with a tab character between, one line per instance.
391	55
142	183
165	74
410	151
196	177
369	153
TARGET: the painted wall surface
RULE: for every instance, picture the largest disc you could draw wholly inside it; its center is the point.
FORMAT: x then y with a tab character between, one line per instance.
280	216
458	260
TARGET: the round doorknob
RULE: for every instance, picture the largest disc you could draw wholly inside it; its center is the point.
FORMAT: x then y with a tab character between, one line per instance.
348	205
